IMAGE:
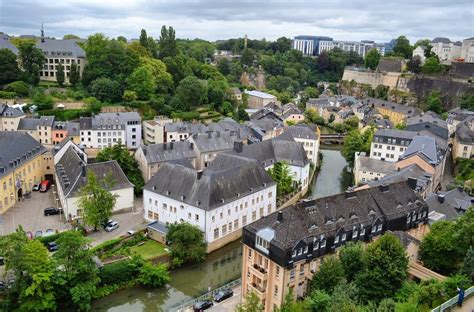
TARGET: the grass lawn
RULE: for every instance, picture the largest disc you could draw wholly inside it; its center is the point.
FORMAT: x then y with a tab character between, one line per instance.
149	250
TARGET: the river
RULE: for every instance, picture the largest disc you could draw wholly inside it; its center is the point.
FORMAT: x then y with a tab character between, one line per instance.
221	266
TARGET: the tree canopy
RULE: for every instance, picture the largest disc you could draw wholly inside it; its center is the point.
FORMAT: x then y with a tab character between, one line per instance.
186	243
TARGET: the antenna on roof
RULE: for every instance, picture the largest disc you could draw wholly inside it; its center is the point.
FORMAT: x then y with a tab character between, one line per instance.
42	33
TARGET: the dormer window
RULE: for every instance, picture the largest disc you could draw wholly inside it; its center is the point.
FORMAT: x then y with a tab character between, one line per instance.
354	233
343	238
293	254
362	231
263	238
336	239
409	218
315	245
379	227
305	250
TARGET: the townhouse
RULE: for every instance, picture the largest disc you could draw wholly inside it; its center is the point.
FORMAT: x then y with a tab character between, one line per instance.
108	129
446	50
23	163
10	117
283	250
396	113
448	205
463	143
39	128
308	136
389	144
209	145
231	192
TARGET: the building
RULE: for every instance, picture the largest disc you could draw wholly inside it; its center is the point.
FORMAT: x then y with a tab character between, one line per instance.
456	116
369	169
272	151
283	250
446	50
10	117
230	193
108	129
150	157
419	52
310	45
463	143
71	170
259	99
467	50
65	52
163	129
39	128
154	130
23	163
308	136
429	123
396	113
65	129
292	114
209	145
390	145
266	128
448	205
235	94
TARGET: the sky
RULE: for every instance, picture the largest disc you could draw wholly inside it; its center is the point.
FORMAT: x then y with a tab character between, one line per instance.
379	20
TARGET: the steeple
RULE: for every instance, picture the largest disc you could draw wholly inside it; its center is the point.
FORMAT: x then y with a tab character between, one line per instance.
42	33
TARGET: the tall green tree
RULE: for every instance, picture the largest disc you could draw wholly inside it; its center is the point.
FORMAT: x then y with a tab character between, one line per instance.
329	275
78	275
280	173
144	39
191	93
468	264
352	260
167	42
74	75
432	65
106	90
403	48
187	243
465	229
142	82
247	57
126	161
9	70
355	141
96	201
414	65
386	269
433	102
153	275
31	59
372	59
60	76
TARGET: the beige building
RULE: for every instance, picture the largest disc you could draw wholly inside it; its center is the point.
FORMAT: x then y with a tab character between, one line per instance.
40	129
467	50
154	130
463	143
446	50
258	99
10	118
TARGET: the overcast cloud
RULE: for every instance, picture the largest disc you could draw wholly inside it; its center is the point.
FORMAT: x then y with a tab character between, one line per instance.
343	20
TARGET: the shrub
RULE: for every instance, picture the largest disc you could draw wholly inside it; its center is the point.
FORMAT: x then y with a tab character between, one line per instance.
154	276
7	95
120	272
106	246
18	87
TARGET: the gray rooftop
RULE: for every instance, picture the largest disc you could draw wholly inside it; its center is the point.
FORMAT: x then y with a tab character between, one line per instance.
424	146
428	121
412	171
300	132
394	133
465	132
451	203
119	120
28	124
409	111
227	179
213	141
61	48
6	44
8	111
376	165
155	153
16	148
441	39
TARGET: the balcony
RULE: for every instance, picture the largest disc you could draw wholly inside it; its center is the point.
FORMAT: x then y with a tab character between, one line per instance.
259	272
258	290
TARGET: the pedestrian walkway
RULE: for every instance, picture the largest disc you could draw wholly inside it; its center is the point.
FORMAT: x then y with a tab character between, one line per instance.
468	306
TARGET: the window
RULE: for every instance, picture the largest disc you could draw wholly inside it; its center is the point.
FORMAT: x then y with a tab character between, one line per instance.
362	231
323	243
301	269
409	218
189	215
379	227
150	214
292	274
213	218
196	217
300	251
261	212
224	229
228	212
276	291
221	215
354	233
230	227
244	220
374	228
236	224
277	271
343	237
336	239
254	215
262	243
305	250
216	233
250	254
165	206
293	254
269	208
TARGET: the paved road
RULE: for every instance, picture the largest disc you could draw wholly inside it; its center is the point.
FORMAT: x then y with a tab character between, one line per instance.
447	177
230	304
467	306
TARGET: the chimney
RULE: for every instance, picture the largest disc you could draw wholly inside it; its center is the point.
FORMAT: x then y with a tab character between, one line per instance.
412	183
384	187
171	145
83	167
238	146
191	145
199	174
280	216
441	198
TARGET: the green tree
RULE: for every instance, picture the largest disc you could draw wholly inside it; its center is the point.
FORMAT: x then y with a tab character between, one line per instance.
191	93
153	275
74	75
162	79
126	162
403	48
242	114
96	201
19	87
247	57
414	65
60	77
167	43
142	82
31	59
311	115
381	92
433	102
355	141
318	301
129	96
432	65
251	303
401	125
465	229
70	36
352	260
351	123
144	39
466	102
106	90
386	269
78	275
280	173
187	244
9	70
372	59
468	264
330	274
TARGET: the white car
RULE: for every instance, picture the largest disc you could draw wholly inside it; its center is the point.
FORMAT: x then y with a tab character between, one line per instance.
112	226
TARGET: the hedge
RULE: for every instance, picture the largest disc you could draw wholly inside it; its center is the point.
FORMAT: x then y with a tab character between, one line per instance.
119	272
7	95
51	238
66	114
106	246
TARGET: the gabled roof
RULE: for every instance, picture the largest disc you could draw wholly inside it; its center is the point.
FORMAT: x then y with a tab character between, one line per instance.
7	111
299	132
394	133
227	179
155	153
17	148
6	44
260	94
425	147
58	48
213	141
441	39
28	124
451	203
464	131
412	171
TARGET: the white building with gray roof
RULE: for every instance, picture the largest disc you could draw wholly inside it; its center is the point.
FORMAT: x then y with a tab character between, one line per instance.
231	192
390	144
10	117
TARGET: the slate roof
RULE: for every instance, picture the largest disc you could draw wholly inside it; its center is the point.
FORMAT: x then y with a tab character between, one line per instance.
213	141
426	147
114	119
235	91
6	44
423	179
452	203
271	151
61	48
407	110
69	172
227	179
394	133
464	131
310	219
185	127
16	148
261	94
428	121
300	132
290	110
158	226
376	165
46	121
155	153
85	123
7	111
28	123
441	39
405	238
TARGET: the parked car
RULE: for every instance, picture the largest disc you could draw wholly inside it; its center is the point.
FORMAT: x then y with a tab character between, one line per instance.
36	187
38	233
223	295
112	226
51	211
131	233
105	223
52	246
44	186
202	305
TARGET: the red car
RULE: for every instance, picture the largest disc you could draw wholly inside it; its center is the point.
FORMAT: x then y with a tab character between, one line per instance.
44	186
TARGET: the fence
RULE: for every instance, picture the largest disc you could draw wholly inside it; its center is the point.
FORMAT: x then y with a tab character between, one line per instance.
453	301
205	296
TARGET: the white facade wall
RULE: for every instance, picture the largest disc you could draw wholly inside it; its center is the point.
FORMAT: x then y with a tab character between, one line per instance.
305	46
389	152
217	222
419	52
467	50
311	147
176	136
133	135
299	174
325	45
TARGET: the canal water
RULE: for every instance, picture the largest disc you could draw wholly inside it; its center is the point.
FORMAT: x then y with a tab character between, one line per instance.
221	266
